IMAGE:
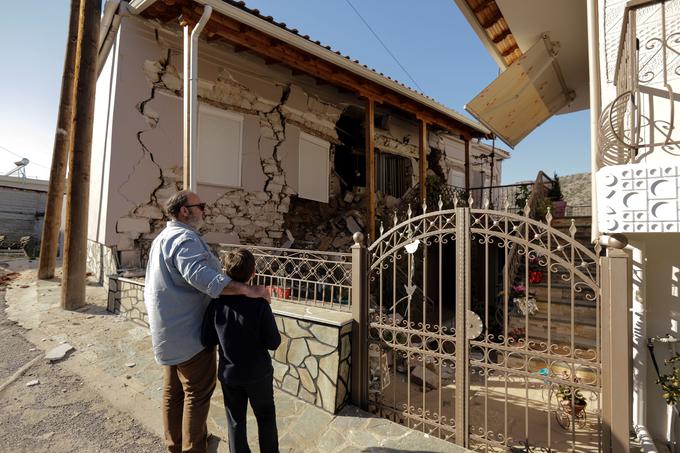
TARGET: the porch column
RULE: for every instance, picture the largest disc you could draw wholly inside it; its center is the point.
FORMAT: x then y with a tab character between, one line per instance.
370	166
422	159
616	349
467	163
359	384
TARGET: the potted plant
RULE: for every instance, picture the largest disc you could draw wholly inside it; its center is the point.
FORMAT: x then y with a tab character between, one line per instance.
572	400
670	383
559	206
525	303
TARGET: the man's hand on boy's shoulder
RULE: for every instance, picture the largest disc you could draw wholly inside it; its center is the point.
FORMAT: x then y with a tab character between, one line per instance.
255	292
260	292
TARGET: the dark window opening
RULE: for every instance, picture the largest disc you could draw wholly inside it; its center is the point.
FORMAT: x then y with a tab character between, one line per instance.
350	158
393	174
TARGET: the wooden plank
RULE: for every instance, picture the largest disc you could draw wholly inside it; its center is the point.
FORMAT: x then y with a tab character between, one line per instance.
422	158
370	166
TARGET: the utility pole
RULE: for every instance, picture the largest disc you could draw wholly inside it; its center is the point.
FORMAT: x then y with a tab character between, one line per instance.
62	142
75	250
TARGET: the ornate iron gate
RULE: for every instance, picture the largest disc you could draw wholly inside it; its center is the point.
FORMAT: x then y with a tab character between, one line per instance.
483	329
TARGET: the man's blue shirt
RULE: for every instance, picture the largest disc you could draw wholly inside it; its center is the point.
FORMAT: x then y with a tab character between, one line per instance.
182	275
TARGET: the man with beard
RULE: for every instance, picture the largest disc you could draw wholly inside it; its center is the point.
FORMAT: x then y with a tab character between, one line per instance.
182	276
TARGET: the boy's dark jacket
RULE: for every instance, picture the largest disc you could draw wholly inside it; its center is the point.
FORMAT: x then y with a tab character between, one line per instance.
244	329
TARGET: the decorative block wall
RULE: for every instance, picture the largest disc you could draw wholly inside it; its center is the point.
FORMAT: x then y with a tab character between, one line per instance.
638	198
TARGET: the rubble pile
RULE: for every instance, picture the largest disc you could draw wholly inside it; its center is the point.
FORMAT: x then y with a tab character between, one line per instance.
327	226
330	226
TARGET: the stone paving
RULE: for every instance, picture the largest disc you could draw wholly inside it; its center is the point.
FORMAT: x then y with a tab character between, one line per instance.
114	355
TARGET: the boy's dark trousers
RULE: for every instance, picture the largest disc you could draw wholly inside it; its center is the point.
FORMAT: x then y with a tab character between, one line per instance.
261	396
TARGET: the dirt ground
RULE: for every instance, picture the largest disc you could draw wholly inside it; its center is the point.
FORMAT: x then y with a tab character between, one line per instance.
60	414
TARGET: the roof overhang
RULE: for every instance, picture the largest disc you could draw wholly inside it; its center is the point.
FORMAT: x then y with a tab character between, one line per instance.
499	23
246	30
529	92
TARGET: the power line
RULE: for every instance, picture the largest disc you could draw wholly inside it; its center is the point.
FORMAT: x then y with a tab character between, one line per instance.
384	45
21	157
11	152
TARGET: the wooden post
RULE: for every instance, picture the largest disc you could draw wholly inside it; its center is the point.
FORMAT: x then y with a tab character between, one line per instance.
370	166
467	164
75	250
422	158
62	140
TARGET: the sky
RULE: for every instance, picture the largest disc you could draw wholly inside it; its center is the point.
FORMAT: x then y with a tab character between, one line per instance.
430	39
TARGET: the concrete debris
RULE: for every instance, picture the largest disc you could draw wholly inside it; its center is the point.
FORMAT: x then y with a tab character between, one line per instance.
420	374
352	224
391	202
59	352
32	383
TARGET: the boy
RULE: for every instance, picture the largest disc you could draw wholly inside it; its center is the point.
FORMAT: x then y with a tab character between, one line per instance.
245	329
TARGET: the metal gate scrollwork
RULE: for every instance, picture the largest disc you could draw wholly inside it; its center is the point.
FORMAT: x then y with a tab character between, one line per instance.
483	330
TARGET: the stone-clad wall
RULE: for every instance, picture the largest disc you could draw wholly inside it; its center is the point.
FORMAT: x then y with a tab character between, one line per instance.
101	262
313	362
126	296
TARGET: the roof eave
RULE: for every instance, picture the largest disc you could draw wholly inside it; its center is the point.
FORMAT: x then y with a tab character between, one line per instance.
481	33
137	6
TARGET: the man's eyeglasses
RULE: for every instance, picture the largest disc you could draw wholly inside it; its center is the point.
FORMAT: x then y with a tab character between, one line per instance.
201	206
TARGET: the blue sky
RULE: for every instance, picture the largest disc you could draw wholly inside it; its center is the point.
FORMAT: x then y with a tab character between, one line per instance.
431	39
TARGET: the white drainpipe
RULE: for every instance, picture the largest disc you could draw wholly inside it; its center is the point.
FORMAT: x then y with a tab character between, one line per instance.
113	10
595	107
191	96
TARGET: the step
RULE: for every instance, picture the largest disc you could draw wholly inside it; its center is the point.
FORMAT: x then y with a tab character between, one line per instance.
583	309
557	292
565	222
585	373
585	331
556	278
562	340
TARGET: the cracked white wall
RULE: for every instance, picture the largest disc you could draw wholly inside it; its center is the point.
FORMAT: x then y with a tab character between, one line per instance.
138	140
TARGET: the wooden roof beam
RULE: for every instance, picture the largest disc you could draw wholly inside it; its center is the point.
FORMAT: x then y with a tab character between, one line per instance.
273	52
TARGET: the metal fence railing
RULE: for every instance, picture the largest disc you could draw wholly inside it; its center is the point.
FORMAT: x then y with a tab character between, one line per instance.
307	277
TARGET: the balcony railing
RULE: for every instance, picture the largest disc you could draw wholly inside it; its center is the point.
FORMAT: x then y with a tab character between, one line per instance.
641	121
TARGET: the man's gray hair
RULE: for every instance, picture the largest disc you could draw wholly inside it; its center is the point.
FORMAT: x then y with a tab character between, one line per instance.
176	201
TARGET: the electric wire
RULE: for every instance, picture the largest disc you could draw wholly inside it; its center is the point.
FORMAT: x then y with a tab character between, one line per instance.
384	45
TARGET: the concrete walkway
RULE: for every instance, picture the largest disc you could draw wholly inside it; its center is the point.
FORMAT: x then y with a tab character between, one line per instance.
114	355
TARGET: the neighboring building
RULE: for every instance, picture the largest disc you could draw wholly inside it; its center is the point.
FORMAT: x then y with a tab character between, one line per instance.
282	133
22	208
548	51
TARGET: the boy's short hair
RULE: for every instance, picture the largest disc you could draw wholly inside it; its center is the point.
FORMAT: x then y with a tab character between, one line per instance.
239	265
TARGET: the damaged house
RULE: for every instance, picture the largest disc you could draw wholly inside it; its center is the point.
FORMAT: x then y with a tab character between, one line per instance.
287	132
